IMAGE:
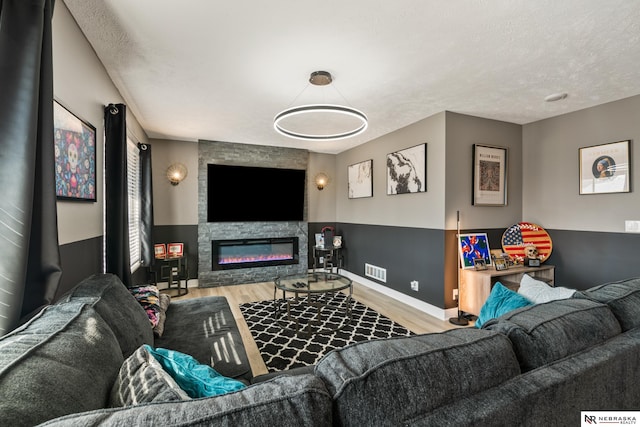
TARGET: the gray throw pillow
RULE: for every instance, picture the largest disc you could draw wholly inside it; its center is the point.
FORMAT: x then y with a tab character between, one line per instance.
62	361
141	379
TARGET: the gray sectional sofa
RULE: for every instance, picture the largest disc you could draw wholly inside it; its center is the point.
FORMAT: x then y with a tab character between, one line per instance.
540	365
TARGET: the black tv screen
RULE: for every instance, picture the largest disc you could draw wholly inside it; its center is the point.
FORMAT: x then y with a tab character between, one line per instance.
246	193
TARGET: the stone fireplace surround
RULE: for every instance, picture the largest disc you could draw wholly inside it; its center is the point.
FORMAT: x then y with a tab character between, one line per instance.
246	155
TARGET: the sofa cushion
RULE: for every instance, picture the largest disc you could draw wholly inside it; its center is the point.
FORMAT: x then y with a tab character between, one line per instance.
538	291
113	301
543	333
64	360
601	378
501	300
142	379
196	379
149	298
389	381
165	300
205	329
622	297
284	402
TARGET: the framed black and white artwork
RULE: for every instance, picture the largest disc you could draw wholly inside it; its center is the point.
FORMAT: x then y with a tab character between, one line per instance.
407	170
360	179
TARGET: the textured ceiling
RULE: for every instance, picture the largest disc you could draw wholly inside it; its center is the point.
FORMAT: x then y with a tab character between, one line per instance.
213	70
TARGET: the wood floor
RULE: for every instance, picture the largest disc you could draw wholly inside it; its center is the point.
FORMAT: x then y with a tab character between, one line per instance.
409	317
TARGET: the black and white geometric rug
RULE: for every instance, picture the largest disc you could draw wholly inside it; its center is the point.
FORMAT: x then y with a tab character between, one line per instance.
281	348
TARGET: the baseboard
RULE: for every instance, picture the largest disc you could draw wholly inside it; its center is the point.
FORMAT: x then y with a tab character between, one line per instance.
437	312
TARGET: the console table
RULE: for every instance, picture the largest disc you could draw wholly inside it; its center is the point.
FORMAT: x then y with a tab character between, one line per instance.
475	285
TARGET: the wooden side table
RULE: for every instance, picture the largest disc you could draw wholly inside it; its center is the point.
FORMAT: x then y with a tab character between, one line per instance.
475	285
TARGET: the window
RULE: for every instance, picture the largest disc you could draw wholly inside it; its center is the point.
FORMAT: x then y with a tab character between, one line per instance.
133	190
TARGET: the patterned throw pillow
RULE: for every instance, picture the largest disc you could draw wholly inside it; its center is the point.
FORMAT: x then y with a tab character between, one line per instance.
142	379
149	299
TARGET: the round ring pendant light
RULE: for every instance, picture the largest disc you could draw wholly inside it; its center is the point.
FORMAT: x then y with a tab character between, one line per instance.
320	122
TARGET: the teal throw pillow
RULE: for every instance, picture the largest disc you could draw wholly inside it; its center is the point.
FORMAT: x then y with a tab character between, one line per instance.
501	300
196	379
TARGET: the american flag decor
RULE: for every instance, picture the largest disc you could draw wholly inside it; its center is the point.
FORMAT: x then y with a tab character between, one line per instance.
517	237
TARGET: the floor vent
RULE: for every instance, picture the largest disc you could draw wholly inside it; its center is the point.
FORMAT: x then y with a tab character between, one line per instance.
377	273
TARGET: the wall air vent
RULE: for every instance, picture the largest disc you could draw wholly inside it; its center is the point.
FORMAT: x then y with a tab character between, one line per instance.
374	272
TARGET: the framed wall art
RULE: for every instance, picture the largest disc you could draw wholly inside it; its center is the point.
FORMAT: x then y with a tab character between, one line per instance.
75	156
160	250
605	168
489	175
360	179
175	249
472	247
407	170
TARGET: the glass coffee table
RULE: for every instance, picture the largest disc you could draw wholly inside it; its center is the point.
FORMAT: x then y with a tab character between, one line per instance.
312	310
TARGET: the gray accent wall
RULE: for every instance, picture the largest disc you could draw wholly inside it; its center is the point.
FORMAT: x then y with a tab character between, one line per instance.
406	253
590	245
79	260
584	259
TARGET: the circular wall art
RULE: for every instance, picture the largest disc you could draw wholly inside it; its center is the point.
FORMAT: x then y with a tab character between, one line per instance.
517	237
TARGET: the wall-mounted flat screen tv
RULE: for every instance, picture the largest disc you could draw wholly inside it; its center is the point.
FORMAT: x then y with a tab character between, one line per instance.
247	193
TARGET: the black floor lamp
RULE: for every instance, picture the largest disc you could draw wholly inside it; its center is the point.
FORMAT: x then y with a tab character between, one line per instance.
460	320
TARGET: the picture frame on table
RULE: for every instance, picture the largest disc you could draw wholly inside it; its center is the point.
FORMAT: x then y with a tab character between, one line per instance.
175	249
473	246
489	175
75	156
479	264
360	179
605	168
160	250
407	170
500	264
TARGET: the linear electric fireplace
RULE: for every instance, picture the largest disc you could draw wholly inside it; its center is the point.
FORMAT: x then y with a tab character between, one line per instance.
246	253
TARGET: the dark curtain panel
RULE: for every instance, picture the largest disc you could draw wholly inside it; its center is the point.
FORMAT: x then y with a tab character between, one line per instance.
30	263
146	206
116	196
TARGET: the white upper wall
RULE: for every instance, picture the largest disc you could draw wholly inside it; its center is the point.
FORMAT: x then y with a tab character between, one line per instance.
463	132
81	84
421	210
551	168
174	204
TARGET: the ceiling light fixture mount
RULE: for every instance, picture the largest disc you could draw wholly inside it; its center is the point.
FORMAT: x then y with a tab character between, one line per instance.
556	97
320	122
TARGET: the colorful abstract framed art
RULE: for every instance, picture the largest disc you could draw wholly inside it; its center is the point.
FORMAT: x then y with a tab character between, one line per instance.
472	247
75	156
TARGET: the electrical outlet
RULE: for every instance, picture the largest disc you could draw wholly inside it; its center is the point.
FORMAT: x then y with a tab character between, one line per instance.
455	294
414	285
632	226
321	260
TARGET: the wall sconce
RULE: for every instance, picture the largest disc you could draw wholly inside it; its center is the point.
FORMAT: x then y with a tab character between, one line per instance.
176	173
321	180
